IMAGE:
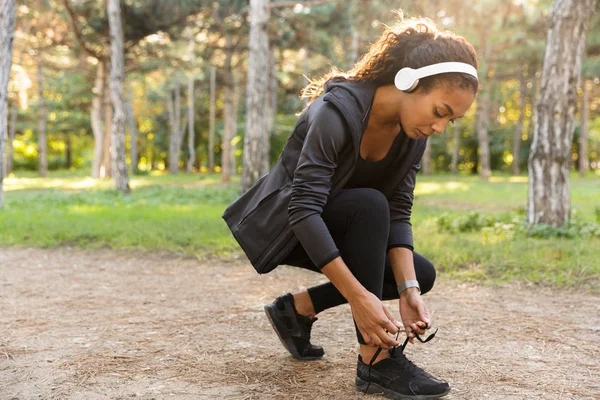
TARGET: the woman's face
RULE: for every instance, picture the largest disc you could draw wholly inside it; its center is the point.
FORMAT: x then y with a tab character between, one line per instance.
422	115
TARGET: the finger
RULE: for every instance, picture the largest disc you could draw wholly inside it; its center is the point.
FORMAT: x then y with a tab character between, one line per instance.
423	326
378	343
424	314
390	325
366	338
385	338
417	329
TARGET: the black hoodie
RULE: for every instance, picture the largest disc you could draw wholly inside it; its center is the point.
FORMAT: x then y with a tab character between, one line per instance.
284	207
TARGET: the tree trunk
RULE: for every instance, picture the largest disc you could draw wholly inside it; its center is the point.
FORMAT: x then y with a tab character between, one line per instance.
236	103
255	151
133	150
482	115
174	103
117	76
96	119
211	120
105	169
584	163
518	134
68	151
549	197
191	110
228	116
12	130
42	115
7	31
456	147
426	160
273	84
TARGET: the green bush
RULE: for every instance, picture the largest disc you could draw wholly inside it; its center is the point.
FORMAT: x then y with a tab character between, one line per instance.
511	225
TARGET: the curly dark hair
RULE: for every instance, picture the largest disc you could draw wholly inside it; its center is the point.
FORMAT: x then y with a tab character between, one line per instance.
414	43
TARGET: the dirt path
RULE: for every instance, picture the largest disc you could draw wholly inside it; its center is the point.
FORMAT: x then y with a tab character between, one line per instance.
119	325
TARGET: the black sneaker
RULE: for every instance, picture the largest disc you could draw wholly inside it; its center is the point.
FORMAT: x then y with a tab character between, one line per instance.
398	378
292	328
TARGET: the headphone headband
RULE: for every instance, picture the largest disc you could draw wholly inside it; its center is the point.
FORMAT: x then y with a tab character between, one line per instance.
407	79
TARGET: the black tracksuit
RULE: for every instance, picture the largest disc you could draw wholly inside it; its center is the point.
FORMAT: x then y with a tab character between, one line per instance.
316	203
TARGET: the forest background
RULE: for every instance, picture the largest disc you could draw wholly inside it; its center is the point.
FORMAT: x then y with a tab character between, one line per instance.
186	69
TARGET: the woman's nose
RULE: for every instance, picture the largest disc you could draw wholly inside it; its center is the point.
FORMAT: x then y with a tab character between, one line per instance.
439	127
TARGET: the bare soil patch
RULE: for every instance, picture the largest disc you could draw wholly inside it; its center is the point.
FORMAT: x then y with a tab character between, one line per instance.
101	324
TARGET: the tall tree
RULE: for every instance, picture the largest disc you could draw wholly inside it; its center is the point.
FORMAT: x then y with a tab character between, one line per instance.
211	119
236	104
426	161
228	109
191	110
584	162
117	76
176	130
455	146
482	115
549	199
90	27
256	148
43	116
518	134
273	85
96	119
7	31
105	166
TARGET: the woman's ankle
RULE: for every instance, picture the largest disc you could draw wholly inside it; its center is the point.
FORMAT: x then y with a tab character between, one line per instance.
303	304
367	352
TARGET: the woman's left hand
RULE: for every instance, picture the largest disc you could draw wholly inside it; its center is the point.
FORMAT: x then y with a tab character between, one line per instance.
414	313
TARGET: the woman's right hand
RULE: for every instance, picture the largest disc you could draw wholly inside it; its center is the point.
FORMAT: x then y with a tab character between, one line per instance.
374	321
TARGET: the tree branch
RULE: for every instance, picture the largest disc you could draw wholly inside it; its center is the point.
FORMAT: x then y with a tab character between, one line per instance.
77	32
312	3
284	4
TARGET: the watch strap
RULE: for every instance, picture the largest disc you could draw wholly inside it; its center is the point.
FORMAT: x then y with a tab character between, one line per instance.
408	284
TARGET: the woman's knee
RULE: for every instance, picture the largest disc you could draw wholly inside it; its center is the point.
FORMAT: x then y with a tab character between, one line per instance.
425	272
371	203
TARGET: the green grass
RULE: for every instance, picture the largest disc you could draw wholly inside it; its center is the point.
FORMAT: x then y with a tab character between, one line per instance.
183	214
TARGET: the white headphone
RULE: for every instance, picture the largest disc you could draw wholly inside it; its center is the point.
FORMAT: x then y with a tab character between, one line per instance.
407	79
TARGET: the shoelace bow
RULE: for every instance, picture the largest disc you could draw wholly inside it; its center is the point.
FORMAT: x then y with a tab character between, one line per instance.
401	350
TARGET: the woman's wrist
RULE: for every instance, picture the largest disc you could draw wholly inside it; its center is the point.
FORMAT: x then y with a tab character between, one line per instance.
409	290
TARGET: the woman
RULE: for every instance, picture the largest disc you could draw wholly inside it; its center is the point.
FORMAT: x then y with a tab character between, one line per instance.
339	199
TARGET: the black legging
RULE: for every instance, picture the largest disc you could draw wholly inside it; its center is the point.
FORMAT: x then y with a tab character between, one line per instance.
359	222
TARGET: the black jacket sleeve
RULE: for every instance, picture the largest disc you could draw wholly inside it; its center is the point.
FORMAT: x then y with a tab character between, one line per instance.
401	209
327	135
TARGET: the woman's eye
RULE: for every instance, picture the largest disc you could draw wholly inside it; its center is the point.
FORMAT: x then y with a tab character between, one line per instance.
437	114
452	120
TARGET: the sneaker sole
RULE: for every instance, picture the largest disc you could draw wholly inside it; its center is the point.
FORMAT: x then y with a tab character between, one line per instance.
285	340
362	386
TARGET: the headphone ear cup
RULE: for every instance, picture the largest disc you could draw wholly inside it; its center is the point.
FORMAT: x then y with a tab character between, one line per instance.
413	87
405	79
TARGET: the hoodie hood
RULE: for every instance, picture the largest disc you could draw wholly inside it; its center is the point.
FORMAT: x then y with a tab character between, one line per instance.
353	100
